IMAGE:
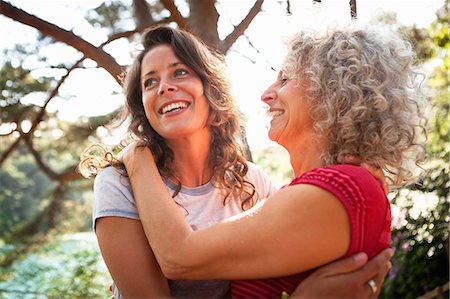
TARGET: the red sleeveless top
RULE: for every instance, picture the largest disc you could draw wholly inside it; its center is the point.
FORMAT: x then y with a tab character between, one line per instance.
370	219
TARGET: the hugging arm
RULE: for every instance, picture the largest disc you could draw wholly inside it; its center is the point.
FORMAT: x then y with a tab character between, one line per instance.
130	259
243	246
347	278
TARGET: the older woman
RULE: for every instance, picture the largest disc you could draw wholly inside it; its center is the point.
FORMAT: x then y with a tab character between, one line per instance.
338	93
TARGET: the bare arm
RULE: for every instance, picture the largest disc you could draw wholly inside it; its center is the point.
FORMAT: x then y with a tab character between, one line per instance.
130	259
263	242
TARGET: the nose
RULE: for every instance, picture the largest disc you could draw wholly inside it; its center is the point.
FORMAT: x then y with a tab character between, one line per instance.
166	87
269	95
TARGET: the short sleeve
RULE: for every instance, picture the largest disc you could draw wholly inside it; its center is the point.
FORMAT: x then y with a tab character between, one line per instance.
364	200
113	196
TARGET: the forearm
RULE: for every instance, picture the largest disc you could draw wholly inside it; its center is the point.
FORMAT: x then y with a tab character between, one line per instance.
181	252
241	247
164	226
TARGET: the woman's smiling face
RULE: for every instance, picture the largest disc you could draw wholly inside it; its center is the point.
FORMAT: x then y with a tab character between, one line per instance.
288	106
172	95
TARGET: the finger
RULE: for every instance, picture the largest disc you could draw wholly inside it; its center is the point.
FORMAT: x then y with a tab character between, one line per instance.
345	265
370	291
350	159
377	264
379	278
378	173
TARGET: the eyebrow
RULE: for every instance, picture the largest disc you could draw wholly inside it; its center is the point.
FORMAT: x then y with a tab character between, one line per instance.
174	64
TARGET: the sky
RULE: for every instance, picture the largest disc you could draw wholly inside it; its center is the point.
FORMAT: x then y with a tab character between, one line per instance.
251	68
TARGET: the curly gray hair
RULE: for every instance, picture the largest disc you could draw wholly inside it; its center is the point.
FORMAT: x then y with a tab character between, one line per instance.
364	96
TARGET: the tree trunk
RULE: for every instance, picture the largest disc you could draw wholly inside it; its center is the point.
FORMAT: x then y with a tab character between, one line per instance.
203	20
141	13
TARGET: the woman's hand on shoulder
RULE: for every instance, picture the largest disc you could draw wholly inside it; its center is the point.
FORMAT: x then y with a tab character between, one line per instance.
377	172
127	153
133	155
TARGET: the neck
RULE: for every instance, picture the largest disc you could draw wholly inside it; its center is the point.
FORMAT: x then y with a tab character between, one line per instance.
305	155
191	163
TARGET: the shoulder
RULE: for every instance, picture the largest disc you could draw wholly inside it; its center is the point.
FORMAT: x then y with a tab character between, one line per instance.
111	187
260	179
340	175
361	177
349	183
111	177
113	195
361	196
352	170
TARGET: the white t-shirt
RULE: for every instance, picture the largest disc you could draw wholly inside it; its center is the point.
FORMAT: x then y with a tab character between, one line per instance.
202	207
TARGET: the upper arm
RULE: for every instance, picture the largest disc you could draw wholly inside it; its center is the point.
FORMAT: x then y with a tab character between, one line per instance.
129	258
298	228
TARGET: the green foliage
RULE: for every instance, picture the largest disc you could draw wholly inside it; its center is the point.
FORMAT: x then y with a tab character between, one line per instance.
275	162
420	263
62	269
83	279
23	186
35	195
109	14
16	83
420	234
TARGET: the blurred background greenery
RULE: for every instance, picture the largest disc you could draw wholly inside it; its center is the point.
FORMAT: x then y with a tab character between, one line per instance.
47	248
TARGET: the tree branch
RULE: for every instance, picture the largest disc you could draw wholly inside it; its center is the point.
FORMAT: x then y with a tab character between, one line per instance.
353	13
102	58
41	113
126	34
288	7
6	153
39	161
239	29
257	51
69	174
175	13
54	92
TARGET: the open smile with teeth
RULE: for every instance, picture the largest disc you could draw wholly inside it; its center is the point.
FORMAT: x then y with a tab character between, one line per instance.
173	107
275	113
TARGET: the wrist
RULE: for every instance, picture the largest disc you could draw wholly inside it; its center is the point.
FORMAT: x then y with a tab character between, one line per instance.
141	162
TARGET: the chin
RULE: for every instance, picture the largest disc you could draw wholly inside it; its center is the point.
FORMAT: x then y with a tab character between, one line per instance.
273	137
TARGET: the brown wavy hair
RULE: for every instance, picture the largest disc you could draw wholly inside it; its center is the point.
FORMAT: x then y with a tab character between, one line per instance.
365	96
225	119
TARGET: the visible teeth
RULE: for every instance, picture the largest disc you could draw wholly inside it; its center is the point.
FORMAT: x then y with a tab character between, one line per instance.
173	106
275	113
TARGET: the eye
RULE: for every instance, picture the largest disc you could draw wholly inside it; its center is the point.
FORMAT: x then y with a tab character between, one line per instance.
149	82
283	80
180	72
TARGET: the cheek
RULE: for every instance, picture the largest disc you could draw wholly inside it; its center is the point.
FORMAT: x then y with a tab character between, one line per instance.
148	103
202	104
